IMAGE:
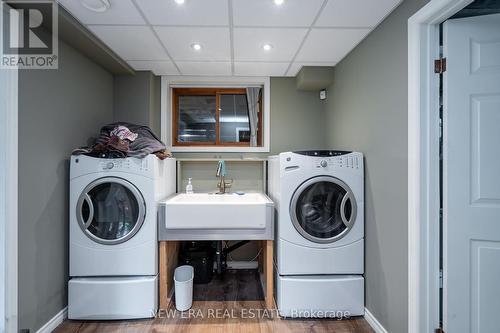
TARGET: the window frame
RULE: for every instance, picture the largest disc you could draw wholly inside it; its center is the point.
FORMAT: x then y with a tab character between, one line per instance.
218	92
168	83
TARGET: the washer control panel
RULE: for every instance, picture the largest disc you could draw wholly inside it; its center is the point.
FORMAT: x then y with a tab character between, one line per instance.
338	161
115	164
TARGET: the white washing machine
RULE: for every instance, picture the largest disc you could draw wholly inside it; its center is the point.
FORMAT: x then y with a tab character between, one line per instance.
113	235
319	200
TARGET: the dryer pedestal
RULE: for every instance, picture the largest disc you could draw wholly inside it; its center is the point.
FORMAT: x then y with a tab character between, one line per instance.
293	260
320	296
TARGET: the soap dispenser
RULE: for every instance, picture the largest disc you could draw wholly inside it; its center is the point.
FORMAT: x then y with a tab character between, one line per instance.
189	187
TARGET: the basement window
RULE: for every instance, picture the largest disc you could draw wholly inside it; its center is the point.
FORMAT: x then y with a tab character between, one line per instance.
220	117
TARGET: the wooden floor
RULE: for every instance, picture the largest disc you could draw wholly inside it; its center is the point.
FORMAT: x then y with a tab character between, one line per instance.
219	325
232	303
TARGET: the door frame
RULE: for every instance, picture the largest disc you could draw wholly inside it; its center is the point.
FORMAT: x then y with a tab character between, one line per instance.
423	163
9	216
9	195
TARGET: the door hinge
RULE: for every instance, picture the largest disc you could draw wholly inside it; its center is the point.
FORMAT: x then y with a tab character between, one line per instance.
440	279
440	66
438	330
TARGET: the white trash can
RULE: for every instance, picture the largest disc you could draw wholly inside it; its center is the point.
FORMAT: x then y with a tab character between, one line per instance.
183	277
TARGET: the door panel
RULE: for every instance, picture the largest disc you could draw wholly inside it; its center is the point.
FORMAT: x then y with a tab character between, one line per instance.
485	293
485	138
485	55
471	184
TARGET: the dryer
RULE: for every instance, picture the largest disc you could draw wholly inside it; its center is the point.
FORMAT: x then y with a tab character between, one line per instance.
319	200
113	235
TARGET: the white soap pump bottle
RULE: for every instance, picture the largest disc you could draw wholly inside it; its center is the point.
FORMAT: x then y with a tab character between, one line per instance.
189	187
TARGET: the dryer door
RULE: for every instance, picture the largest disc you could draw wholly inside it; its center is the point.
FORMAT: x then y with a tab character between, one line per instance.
110	210
323	209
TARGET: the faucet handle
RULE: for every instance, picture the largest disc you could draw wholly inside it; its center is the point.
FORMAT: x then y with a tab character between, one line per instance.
219	167
228	184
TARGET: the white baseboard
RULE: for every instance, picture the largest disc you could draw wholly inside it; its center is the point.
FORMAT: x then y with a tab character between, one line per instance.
235	264
54	321
374	323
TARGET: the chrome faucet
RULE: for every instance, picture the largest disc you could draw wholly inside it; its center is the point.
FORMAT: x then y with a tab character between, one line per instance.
222	185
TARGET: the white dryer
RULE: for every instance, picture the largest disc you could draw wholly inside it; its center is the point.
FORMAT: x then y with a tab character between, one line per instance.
319	200
113	235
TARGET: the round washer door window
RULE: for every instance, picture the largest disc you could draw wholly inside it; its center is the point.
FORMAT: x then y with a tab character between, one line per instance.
110	210
323	209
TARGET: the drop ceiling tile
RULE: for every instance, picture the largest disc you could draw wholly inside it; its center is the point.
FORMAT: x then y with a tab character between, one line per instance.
294	13
260	68
248	43
191	12
330	45
297	66
205	68
355	13
120	12
178	41
157	67
131	42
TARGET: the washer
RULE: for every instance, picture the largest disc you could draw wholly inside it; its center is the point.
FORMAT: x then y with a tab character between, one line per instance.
113	235
319	200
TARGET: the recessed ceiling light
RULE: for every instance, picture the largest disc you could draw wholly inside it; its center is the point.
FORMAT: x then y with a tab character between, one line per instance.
196	46
98	6
267	47
279	2
179	2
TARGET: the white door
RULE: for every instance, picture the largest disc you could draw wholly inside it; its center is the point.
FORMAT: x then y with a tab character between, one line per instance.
471	235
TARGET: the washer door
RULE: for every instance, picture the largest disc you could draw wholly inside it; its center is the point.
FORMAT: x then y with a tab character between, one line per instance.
110	210
323	209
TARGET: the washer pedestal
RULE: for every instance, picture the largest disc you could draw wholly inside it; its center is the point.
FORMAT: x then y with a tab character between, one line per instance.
108	298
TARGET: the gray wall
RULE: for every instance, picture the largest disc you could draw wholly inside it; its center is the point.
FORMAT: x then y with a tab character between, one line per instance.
367	111
297	122
297	117
58	111
137	98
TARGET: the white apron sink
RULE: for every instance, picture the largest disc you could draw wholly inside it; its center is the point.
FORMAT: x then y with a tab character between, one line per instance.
208	211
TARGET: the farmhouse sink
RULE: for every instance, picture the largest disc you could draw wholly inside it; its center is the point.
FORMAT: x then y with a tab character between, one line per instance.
209	216
209	211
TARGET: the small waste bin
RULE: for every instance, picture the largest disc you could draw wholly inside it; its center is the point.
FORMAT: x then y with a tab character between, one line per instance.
183	278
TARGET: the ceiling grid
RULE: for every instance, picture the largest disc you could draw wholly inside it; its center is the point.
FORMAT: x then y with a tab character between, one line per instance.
231	37
231	33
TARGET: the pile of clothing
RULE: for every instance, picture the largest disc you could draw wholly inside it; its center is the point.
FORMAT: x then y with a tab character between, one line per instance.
118	140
